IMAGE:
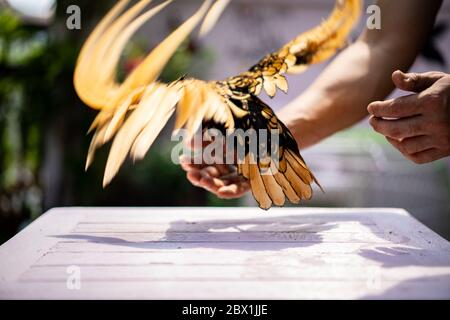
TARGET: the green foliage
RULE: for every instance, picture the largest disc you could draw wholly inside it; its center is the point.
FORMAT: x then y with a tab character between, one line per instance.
9	23
20	48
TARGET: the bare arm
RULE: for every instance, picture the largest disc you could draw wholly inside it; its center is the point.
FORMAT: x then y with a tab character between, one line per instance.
362	72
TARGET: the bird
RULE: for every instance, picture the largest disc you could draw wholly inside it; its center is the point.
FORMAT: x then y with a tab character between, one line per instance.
133	112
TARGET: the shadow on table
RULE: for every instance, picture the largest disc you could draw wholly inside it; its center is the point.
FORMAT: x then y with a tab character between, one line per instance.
273	233
435	287
265	233
276	233
400	256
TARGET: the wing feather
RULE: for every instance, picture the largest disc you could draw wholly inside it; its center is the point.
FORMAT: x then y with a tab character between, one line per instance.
303	190
149	70
96	142
288	190
320	43
111	55
131	128
148	135
310	47
95	84
299	167
244	167
281	83
95	99
213	16
258	187
119	114
273	189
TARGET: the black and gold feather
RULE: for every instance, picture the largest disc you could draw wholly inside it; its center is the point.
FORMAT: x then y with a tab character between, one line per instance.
133	113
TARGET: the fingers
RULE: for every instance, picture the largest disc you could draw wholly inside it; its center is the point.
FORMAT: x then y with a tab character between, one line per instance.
220	179
417	125
225	169
401	107
419	150
194	177
415	82
427	156
234	190
410	105
410	146
207	178
226	189
400	128
211	178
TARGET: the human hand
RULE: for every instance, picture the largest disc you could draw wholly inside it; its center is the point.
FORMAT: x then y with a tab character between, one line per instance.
219	179
418	125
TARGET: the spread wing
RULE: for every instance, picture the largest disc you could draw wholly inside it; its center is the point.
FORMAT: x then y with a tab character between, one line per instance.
313	46
133	113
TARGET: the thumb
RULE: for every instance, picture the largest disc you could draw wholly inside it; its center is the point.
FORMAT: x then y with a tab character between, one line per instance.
415	82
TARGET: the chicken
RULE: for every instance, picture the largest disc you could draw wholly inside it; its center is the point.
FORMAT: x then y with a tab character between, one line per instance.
134	112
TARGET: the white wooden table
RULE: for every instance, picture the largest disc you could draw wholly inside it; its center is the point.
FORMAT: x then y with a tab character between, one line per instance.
221	253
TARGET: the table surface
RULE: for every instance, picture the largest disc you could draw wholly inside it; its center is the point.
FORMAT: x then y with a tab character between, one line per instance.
221	253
